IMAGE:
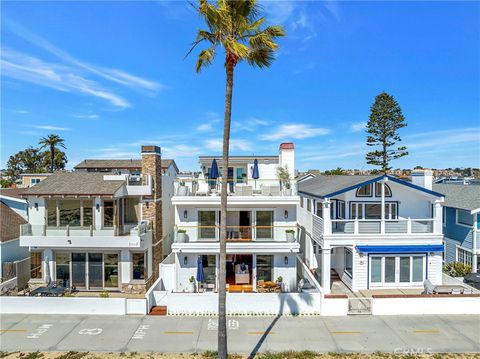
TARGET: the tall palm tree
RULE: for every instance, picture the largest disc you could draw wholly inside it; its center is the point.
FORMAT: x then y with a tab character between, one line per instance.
52	142
235	26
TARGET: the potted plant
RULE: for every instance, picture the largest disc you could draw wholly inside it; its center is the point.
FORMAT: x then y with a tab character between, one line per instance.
182	189
284	176
290	235
191	285
182	236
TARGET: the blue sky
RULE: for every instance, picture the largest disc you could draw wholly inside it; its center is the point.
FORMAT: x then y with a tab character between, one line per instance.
110	76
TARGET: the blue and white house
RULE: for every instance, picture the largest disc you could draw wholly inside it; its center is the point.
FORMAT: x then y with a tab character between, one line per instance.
374	231
461	223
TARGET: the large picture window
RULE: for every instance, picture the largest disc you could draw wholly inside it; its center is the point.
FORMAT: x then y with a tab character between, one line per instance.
464	218
206	223
264	268
464	256
138	264
69	212
108	213
372	210
264	227
397	270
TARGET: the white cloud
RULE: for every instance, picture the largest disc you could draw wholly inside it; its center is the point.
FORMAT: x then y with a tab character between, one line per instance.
205	127
296	131
250	124
216	145
59	77
358	126
452	137
87	116
51	128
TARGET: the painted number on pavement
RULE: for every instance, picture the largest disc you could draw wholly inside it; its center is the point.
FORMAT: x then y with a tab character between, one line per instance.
232	324
141	331
90	331
39	331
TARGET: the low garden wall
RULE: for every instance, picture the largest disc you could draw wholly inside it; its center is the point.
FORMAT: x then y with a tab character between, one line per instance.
334	305
72	305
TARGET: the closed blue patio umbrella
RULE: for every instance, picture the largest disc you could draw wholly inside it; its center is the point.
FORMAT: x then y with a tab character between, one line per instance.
214	171
200	274
255	173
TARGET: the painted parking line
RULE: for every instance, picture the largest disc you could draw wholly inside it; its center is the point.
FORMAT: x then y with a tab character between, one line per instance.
427	331
345	332
13	331
178	333
261	333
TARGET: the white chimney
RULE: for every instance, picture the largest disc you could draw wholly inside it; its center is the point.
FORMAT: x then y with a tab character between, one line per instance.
423	178
286	157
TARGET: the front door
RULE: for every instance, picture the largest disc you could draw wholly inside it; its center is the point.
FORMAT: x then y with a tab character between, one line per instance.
95	271
79	270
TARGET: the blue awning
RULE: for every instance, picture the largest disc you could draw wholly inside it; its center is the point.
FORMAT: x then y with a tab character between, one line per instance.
401	249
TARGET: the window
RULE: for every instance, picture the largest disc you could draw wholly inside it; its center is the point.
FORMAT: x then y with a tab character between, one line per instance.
348	256
464	256
373	210
62	263
320	210
87	213
69	213
365	191
301	201
378	190
464	218
209	269
51	212
241	175
108	213
309	204
35	181
206	223
397	270
264	224
138	264
341	209
264	268
36	265
110	269
356	211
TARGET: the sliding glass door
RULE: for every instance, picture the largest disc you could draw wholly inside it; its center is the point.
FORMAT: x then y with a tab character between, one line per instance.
401	270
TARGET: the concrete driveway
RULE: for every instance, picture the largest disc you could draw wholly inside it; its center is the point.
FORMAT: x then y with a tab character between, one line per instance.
400	334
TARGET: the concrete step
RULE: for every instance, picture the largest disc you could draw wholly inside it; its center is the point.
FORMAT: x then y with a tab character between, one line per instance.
158	310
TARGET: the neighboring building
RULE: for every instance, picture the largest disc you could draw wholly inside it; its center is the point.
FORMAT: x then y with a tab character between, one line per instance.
97	229
31	179
261	227
461	223
13	199
10	250
374	231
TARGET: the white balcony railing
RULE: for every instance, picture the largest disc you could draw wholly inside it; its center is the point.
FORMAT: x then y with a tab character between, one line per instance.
377	226
236	234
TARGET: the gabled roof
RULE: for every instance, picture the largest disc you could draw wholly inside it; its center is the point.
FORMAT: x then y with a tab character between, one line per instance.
460	196
119	164
329	186
75	183
12	192
10	222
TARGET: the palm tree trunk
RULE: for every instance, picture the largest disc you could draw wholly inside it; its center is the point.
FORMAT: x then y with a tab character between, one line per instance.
222	278
52	158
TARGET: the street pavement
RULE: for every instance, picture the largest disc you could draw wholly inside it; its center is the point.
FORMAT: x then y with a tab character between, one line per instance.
398	334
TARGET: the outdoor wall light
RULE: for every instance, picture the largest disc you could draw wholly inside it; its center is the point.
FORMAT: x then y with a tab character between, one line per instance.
185	260
285	214
185	214
97	206
286	260
36	206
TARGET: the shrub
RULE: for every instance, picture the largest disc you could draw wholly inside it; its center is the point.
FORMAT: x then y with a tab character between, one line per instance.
457	269
104	294
182	231
290	231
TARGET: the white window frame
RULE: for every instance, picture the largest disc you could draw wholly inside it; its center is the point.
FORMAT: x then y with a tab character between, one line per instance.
460	223
459	248
397	282
345	250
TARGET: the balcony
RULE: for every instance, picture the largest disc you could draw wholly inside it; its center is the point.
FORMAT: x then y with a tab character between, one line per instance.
133	236
236	188
135	185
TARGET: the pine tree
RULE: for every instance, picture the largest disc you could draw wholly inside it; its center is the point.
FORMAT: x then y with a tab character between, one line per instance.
386	118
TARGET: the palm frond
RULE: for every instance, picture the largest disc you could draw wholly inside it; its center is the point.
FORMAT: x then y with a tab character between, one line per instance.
205	58
261	57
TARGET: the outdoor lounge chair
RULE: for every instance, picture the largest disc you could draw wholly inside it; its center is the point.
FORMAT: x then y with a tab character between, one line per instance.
202	189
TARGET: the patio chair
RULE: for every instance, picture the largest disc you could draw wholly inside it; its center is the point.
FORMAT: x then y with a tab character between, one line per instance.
202	189
247	191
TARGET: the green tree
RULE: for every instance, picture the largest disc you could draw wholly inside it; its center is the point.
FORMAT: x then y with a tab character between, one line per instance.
236	27
337	171
59	163
52	142
386	118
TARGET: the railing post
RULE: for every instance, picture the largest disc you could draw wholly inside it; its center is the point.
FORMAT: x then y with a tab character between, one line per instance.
68	230
91	230
356	226
382	226
44	230
409	225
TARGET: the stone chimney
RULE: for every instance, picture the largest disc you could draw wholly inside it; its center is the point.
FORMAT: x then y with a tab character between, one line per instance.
286	157
152	205
423	178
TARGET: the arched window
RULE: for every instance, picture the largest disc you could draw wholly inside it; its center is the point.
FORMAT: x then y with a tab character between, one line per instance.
365	191
378	190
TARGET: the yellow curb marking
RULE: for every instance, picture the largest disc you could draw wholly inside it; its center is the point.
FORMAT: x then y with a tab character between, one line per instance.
260	333
13	330
428	331
345	332
177	332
